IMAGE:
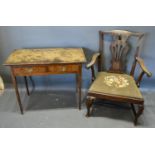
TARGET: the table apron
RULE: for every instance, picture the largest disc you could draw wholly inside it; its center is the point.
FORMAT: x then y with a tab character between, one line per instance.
46	69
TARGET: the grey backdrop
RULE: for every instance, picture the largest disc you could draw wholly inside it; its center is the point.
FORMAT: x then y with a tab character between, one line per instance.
87	37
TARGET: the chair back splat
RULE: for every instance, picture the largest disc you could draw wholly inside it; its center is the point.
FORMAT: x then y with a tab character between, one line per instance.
119	48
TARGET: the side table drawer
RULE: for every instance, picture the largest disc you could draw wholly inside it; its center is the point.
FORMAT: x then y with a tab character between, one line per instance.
63	68
45	70
23	71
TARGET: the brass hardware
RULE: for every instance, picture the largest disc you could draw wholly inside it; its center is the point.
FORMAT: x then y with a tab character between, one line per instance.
29	70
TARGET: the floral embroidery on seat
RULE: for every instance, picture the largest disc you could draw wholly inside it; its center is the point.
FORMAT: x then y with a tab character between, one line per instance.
116	81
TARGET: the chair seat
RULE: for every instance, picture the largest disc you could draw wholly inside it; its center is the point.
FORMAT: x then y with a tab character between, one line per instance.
117	85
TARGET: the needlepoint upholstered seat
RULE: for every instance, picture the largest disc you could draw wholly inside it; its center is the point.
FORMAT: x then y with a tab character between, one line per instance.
115	84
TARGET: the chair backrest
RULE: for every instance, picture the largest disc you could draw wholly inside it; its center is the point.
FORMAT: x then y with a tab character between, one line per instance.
119	48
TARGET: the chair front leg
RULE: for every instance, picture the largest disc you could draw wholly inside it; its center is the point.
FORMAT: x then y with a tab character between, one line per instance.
89	103
138	112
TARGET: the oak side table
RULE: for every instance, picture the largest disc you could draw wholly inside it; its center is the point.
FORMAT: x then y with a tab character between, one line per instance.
47	61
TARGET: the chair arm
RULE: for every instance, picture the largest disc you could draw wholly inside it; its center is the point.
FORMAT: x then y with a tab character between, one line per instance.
91	65
144	71
143	67
93	60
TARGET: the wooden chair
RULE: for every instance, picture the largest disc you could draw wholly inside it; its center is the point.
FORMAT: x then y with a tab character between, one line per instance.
115	84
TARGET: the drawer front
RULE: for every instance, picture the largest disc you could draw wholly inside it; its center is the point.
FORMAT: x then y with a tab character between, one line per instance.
45	70
23	71
63	68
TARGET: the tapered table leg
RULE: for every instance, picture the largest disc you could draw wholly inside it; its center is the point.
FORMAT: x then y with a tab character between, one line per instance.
14	80
79	81
26	84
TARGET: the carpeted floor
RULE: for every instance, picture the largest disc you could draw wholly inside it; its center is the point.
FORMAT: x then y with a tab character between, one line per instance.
46	108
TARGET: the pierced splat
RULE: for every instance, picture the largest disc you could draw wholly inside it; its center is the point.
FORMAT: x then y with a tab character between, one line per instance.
119	49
